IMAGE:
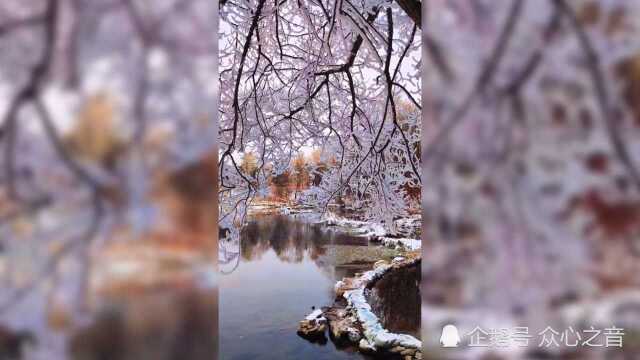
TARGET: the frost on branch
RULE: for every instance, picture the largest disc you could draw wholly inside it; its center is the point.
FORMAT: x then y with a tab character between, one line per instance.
531	152
341	78
100	103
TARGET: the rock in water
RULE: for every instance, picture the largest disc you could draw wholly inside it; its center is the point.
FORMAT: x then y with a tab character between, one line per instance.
313	326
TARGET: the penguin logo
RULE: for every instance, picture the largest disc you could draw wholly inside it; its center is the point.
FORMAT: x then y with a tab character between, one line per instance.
450	336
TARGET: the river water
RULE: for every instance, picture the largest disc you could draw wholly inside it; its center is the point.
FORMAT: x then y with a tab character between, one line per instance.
287	266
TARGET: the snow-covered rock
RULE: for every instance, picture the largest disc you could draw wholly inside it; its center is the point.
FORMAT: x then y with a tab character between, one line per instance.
313	326
315	315
402	243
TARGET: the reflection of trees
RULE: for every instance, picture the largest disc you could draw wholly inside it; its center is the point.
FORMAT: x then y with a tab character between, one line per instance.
290	240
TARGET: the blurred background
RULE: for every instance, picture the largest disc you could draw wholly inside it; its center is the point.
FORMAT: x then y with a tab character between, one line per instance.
532	155
108	215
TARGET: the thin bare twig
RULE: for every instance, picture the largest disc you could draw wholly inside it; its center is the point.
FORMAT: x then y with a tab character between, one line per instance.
482	81
599	83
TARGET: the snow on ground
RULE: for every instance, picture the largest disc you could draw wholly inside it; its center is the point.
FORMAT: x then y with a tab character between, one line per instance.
403	243
330	218
378	230
316	315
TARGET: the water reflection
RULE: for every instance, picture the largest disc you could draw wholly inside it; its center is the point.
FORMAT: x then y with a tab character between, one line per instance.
164	325
287	267
290	240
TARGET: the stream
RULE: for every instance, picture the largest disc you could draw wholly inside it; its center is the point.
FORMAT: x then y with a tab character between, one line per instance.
287	266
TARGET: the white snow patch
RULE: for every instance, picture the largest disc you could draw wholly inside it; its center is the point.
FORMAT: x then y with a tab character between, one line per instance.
314	315
363	228
409	244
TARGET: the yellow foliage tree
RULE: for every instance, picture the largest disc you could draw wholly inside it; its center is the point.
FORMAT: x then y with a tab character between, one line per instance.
249	164
94	136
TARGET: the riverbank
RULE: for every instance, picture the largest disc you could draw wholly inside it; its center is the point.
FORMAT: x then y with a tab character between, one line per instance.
364	311
370	305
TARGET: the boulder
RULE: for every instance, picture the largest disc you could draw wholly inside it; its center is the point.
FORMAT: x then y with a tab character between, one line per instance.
313	327
343	326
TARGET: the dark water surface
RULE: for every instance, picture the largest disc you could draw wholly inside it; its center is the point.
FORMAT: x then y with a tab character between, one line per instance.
287	267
